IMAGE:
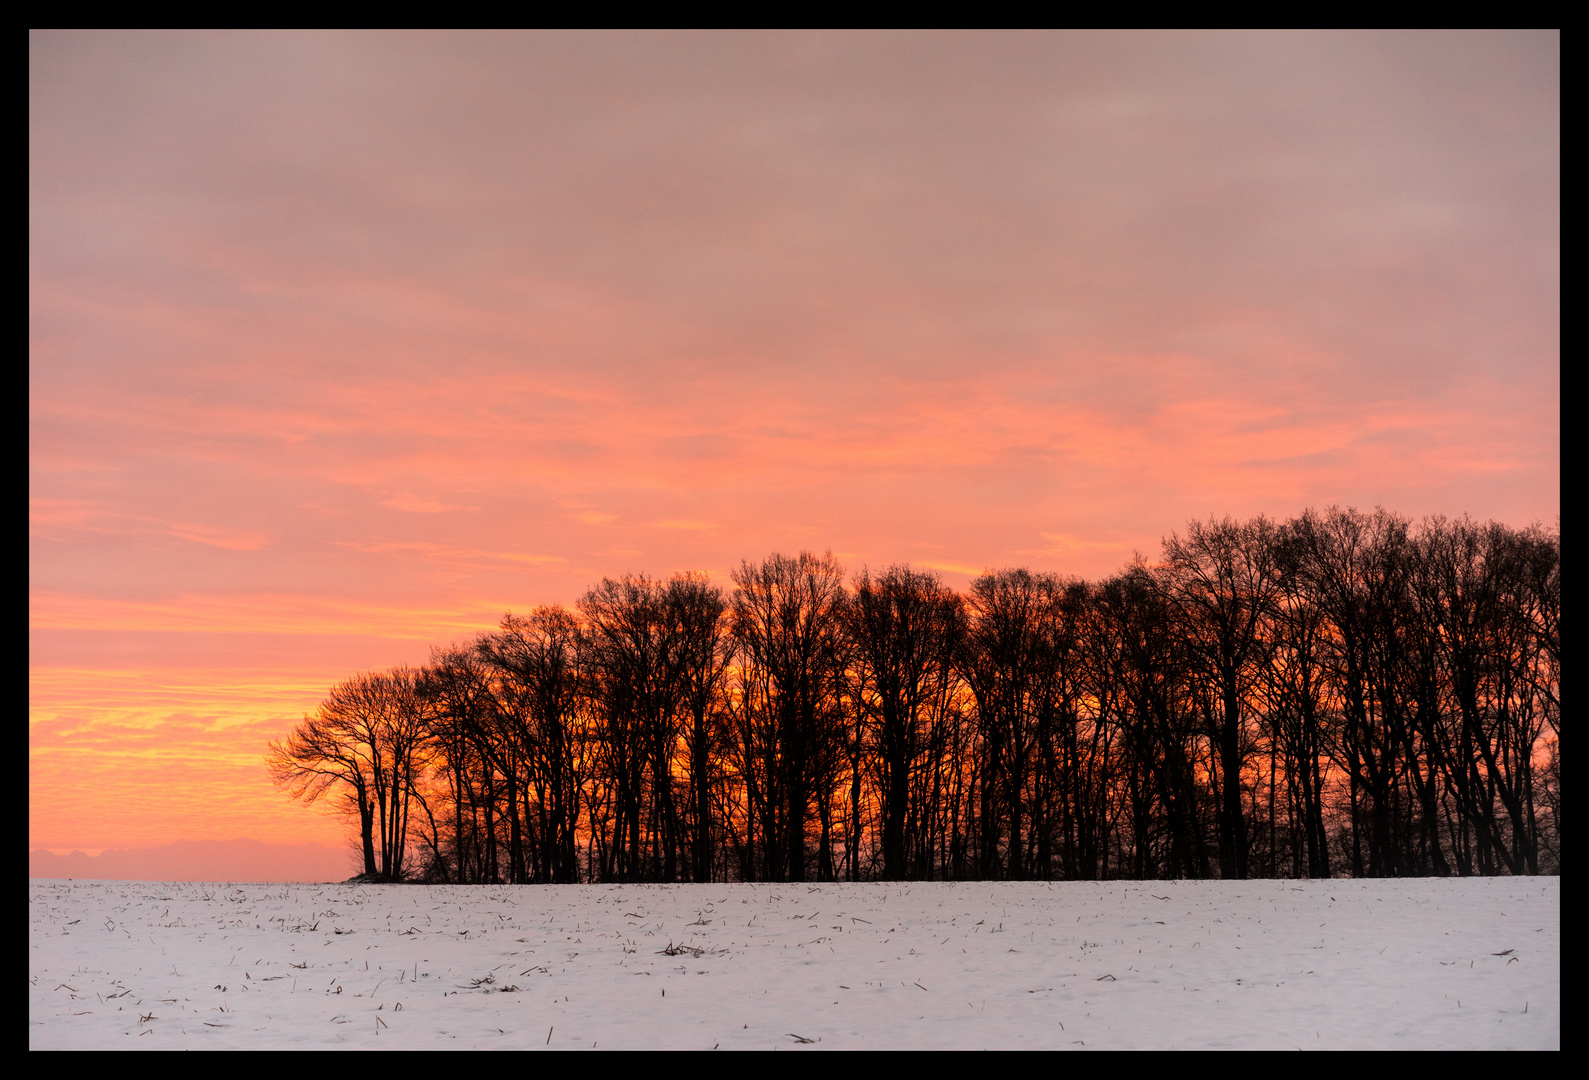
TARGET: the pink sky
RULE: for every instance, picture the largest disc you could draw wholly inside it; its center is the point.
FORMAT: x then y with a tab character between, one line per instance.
343	344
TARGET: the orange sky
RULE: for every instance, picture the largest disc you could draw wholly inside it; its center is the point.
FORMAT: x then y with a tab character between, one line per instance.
343	344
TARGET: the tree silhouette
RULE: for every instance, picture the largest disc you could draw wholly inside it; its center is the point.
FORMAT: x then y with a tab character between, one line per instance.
1343	691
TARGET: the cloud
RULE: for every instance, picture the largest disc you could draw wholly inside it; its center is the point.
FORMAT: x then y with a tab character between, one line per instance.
226	539
1065	545
74	512
414	504
953	567
689	526
267	613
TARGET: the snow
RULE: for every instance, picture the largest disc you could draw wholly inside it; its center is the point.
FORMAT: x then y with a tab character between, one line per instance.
1428	964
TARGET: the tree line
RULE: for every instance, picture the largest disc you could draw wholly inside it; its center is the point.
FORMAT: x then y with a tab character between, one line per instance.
1339	694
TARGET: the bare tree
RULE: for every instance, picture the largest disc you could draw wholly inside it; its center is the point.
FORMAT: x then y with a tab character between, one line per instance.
1476	583
367	738
905	626
1221	580
1003	660
456	686
697	608
1356	569
323	756
788	632
635	642
539	688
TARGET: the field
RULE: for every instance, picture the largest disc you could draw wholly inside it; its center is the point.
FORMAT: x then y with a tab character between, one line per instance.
1426	964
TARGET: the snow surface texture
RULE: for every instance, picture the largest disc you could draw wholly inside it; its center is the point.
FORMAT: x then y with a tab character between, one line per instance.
1430	964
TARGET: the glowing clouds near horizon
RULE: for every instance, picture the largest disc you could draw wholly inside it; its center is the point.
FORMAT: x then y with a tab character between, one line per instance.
343	344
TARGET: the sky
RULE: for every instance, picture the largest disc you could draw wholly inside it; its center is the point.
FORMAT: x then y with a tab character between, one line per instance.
341	345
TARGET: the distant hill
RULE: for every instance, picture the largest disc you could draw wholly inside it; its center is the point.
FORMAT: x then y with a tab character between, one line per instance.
202	860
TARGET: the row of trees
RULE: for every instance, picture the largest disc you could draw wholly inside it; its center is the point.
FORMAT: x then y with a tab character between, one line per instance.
1342	693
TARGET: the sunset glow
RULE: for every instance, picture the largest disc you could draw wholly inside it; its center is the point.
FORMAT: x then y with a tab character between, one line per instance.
344	345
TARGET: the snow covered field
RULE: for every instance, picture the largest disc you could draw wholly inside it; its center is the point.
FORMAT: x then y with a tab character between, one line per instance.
1409	963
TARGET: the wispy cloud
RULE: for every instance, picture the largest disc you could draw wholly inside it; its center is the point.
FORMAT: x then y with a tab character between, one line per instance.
953	567
1065	545
263	613
414	504
226	539
689	526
